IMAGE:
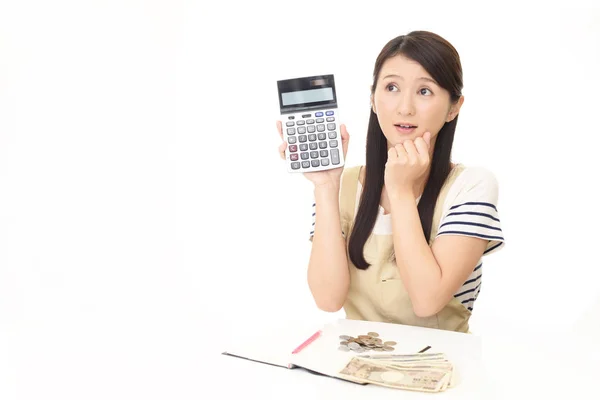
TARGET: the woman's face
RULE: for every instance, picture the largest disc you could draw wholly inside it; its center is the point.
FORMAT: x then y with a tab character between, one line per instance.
407	95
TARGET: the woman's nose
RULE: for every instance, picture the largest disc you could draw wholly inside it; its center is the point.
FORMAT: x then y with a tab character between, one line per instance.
406	105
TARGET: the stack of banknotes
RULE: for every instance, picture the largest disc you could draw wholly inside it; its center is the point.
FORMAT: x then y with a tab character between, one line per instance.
423	372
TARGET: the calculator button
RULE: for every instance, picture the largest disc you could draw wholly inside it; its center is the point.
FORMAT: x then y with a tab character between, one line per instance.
301	122
321	128
295	165
335	156
290	123
322	145
303	147
315	163
291	117
320	120
311	129
292	139
302	138
304	156
330	127
318	114
294	157
325	162
293	148
301	129
322	136
323	153
329	119
332	135
312	137
333	143
291	131
314	154
329	113
310	121
313	146
305	164
307	115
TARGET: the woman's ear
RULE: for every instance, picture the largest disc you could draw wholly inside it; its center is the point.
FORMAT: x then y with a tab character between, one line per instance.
372	103
455	109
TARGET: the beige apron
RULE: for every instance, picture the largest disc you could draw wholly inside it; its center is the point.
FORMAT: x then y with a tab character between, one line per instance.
378	294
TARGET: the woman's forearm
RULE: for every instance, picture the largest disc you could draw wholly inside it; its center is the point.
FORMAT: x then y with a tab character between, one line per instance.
328	276
417	265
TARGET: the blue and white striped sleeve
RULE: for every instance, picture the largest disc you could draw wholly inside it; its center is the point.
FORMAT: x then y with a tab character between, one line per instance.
474	211
313	218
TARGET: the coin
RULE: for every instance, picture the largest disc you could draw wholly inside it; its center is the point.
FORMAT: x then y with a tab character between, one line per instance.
365	343
354	345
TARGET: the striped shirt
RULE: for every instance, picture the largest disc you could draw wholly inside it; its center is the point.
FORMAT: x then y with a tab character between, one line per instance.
470	209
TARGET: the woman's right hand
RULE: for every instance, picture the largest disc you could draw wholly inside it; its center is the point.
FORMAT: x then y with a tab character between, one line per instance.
318	178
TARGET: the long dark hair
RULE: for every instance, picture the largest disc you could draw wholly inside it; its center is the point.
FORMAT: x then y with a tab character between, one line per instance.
441	60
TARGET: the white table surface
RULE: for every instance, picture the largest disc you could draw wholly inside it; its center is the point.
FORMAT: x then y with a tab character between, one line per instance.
502	367
140	359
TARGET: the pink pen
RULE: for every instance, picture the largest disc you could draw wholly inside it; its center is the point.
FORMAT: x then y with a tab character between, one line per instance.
307	342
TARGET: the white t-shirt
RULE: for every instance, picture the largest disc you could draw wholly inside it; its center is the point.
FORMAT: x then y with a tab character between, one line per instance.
470	209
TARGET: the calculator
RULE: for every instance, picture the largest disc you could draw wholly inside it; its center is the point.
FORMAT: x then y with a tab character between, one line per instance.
310	123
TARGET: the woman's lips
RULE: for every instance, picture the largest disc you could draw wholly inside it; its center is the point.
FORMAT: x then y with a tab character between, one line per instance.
405	131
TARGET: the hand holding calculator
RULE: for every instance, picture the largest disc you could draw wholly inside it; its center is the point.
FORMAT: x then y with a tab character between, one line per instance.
310	124
319	177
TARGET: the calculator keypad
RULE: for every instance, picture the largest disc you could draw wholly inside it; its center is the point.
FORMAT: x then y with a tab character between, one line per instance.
313	140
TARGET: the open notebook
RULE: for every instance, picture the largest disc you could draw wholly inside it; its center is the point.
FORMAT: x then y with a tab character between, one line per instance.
314	348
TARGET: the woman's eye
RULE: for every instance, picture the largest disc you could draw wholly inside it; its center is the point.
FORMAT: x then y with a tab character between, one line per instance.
390	86
421	91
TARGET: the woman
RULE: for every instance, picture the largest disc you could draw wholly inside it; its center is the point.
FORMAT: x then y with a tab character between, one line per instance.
414	226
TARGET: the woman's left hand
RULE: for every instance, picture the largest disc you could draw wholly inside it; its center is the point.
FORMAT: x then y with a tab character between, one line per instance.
406	164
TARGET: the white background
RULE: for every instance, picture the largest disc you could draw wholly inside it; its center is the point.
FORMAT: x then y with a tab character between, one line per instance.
145	215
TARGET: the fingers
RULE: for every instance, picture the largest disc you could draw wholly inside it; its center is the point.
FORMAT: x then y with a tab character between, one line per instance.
344	132
398	154
345	139
427	138
279	129
282	148
412	153
423	145
283	145
422	149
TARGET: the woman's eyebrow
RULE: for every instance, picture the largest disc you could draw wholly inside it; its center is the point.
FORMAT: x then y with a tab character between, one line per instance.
423	78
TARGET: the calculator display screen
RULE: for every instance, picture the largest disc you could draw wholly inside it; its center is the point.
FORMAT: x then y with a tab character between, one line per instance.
307	96
307	93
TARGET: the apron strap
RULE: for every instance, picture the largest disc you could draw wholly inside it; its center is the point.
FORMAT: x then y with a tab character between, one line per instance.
348	189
